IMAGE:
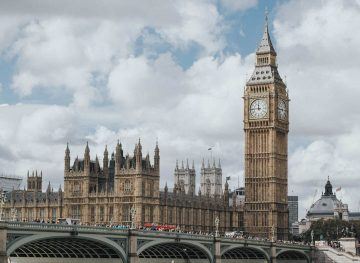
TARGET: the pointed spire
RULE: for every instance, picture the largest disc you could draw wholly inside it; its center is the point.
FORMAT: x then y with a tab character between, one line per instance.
87	149
177	165
214	166
67	150
49	187
106	151
203	164
182	164
193	165
187	163
40	173
266	45
166	187
219	165
208	163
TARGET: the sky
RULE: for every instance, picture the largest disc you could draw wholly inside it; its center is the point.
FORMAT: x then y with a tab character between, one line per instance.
174	72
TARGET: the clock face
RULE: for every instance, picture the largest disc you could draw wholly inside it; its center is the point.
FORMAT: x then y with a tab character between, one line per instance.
258	108
282	109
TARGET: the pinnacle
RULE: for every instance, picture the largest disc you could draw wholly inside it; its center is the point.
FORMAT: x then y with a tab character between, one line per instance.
266	45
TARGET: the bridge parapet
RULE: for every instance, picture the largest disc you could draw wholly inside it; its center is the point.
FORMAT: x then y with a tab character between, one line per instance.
61	228
131	245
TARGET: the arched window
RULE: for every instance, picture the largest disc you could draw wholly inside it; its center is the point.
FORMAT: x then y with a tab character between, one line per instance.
127	186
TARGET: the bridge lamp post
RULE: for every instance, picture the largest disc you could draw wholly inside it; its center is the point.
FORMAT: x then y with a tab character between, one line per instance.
13	213
217	221
133	213
273	239
3	200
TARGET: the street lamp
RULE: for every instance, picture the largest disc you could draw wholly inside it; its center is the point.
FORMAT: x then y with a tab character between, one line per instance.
3	200
133	213
217	221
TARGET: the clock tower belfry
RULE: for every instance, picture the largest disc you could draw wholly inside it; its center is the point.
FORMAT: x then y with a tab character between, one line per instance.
266	126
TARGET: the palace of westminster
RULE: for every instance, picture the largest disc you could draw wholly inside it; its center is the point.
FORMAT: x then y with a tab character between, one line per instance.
108	193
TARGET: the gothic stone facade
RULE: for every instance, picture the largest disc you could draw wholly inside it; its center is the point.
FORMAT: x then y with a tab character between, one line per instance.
266	126
32	204
105	194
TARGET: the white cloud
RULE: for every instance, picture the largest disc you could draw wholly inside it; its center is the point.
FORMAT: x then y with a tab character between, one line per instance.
87	50
58	47
338	158
316	52
236	5
137	83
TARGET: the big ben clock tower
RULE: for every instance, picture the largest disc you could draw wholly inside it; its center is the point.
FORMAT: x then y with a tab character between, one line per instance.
266	126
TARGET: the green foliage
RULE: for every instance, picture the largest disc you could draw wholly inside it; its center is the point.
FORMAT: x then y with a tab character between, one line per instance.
332	229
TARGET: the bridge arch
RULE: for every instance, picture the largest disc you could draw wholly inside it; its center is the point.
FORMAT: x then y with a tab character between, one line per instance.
66	246
290	256
250	253
179	251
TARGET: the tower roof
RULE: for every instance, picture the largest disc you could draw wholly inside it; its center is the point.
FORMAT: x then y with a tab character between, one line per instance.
265	45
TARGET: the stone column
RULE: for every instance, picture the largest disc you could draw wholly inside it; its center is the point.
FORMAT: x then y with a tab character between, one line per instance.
3	256
217	251
132	250
273	252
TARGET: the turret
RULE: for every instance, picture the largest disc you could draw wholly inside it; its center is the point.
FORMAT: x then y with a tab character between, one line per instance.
97	164
147	161
226	193
328	188
67	158
118	157
48	190
106	162
157	158
138	156
87	159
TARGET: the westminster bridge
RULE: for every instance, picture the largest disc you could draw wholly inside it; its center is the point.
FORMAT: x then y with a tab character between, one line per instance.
36	242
